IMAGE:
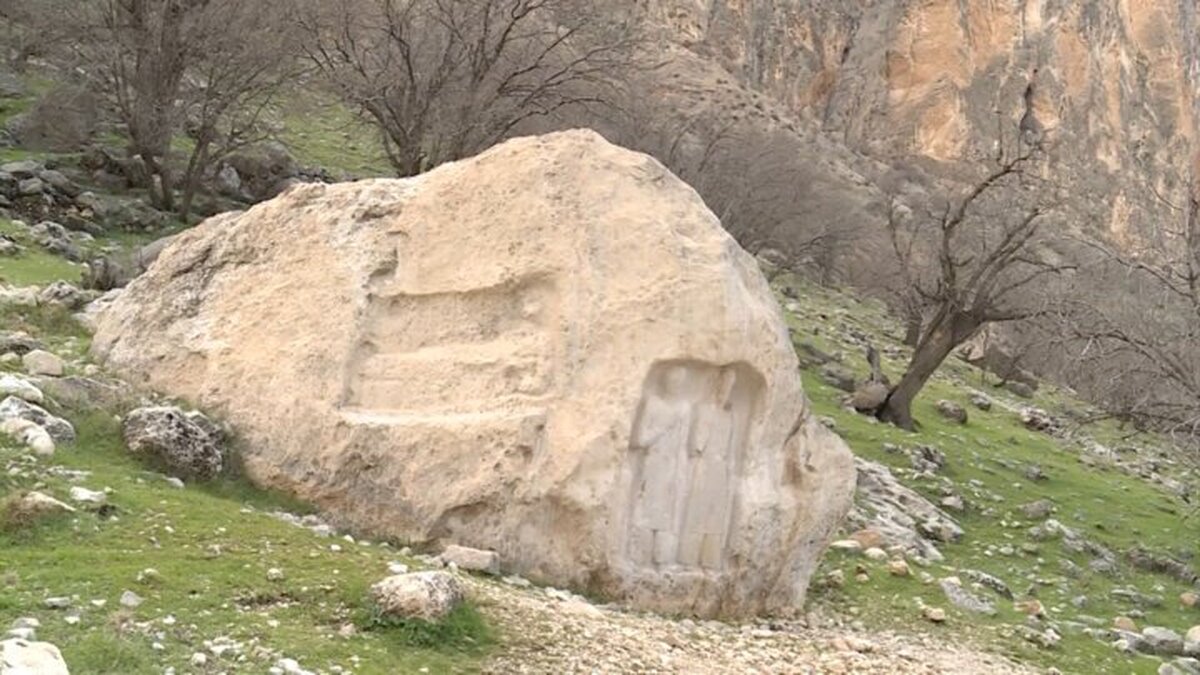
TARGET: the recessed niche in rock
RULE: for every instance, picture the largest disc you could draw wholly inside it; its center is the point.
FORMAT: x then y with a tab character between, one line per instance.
551	350
693	423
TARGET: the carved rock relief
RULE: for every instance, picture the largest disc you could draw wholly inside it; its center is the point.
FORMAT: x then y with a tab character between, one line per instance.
687	448
482	351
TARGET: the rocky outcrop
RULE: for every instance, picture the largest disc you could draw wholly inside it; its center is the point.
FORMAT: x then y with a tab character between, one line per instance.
925	84
551	351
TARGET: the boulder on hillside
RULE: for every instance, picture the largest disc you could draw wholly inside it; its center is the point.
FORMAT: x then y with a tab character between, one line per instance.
428	596
23	657
540	399
184	444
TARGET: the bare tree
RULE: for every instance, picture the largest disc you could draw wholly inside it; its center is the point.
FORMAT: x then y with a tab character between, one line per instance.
973	263
1136	335
754	178
444	79
171	69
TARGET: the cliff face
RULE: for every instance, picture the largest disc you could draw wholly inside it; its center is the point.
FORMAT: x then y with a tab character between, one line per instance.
1111	84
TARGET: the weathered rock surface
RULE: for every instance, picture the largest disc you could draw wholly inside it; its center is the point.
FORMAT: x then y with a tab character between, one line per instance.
900	515
183	444
20	657
542	399
59	429
429	596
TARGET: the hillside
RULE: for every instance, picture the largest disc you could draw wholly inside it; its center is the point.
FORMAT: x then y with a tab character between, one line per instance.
1089	527
210	549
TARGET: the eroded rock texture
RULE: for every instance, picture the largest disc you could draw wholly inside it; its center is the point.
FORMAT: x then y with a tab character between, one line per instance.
1110	85
552	351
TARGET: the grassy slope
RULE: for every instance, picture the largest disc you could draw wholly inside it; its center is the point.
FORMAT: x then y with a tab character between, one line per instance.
211	547
1106	505
97	559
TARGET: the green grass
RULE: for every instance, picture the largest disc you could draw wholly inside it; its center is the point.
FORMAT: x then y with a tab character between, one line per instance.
322	132
1107	505
211	547
34	266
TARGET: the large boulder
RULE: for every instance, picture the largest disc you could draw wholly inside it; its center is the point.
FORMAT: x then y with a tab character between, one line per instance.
428	596
551	351
22	657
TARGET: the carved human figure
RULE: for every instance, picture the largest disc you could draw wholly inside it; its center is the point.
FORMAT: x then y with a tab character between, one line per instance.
661	437
711	452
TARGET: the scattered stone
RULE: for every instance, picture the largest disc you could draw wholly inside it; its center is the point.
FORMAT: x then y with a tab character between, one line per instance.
1038	510
990	582
275	574
927	459
981	402
472	559
1189	599
1180	666
175	440
429	596
1163	641
11	385
130	599
64	294
34	506
838	377
19	343
86	496
39	362
60	430
849	545
30	435
1034	473
964	599
898	568
952	411
1032	607
57	603
876	554
24	657
868	397
934	614
1125	623
1020	389
1035	419
954	503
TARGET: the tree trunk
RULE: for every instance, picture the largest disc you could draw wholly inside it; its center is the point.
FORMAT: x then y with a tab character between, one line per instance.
165	198
197	165
912	329
946	331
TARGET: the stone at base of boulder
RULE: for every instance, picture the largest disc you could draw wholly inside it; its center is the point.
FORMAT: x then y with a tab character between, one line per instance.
472	559
428	596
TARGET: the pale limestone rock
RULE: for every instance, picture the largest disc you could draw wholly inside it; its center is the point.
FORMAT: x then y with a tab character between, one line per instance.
541	397
21	657
39	505
11	385
472	559
28	434
59	429
428	596
40	362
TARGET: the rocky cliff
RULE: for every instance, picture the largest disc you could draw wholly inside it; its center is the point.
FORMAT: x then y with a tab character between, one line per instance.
1110	85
